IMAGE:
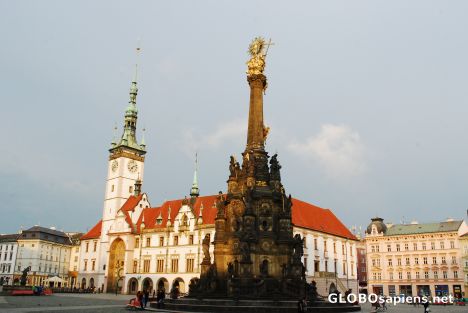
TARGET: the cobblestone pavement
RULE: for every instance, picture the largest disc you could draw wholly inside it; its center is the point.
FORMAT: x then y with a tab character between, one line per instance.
406	308
99	303
108	303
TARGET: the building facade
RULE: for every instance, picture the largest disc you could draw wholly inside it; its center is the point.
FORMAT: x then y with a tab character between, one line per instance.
414	259
46	252
361	265
8	251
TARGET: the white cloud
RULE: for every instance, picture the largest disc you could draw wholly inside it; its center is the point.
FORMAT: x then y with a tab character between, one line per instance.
337	148
228	131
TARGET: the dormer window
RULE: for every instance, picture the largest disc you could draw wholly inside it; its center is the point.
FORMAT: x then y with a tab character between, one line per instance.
159	220
185	220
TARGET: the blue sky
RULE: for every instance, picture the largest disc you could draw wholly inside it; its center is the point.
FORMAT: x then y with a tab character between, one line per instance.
367	102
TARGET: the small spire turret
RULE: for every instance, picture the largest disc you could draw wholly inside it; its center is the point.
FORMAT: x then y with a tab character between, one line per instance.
194	191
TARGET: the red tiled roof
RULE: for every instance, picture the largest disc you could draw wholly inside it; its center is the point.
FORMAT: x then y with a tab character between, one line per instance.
304	215
130	205
307	215
150	215
94	233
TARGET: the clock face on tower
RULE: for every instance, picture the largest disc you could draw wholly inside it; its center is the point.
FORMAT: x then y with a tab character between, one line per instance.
115	165
132	166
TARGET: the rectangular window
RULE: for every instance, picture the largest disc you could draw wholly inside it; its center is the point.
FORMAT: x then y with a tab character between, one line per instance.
399	261
146	266
389	248
434	260
161	241
148	241
85	268
391	275
425	260
95	246
351	250
454	260
436	275
93	264
174	265
415	246
190	239
130	189
442	245
135	266
432	245
417	275
444	273
407	262
443	260
160	267
390	262
137	242
408	275
426	275
400	275
452	244
87	247
315	244
424	246
343	249
334	247
325	246
189	265
416	260
406	247
455	274
176	240
398	247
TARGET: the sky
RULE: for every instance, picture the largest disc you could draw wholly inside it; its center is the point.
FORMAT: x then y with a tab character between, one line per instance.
367	103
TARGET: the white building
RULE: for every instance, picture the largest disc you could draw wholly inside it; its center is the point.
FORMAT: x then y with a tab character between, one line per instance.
136	246
8	251
47	252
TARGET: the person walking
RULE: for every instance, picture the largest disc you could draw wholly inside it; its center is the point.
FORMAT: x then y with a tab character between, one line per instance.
426	307
145	297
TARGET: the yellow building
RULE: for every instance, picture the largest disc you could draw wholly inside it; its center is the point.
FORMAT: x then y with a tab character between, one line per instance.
414	259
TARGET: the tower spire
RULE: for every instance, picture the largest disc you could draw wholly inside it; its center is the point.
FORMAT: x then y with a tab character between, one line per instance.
128	138
194	191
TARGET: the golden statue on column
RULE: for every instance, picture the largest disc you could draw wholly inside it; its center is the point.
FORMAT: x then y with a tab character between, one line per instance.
258	50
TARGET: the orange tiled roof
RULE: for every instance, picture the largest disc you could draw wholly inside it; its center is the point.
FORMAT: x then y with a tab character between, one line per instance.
304	215
150	215
307	215
130	205
94	232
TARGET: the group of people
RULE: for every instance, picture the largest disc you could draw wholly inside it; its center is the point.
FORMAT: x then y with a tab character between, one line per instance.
142	298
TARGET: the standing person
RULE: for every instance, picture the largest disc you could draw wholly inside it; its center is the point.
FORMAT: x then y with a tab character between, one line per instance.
426	306
140	299
145	297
